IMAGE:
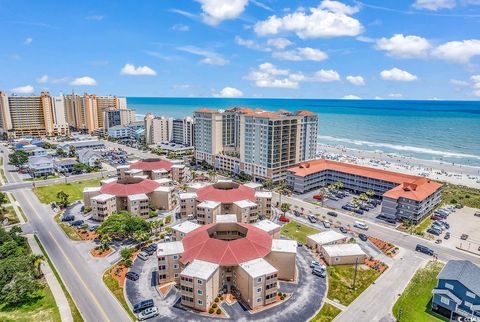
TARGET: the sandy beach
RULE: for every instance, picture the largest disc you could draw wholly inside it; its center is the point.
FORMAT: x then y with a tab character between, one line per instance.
441	171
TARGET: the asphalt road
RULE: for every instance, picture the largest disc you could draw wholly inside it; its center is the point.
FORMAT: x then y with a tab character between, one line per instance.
381	231
93	299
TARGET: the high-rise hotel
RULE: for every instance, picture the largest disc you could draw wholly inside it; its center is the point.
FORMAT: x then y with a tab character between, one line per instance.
260	143
46	115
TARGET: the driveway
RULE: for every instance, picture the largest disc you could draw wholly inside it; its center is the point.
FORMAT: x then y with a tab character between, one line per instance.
306	299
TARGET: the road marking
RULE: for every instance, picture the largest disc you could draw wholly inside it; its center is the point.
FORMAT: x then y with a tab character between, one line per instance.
71	264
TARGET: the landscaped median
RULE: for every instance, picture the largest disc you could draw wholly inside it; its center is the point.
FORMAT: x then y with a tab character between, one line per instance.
114	279
415	302
326	314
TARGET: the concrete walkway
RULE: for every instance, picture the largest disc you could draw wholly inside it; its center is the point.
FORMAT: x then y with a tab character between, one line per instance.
336	304
376	302
53	283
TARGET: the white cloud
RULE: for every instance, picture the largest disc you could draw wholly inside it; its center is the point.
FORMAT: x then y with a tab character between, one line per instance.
396	74
130	69
338	7
229	92
27	89
351	97
28	40
356	80
458	51
365	39
404	46
395	95
84	81
43	79
180	27
250	44
326	76
457	82
279	43
434	5
476	85
267	75
210	58
299	54
330	19
216	11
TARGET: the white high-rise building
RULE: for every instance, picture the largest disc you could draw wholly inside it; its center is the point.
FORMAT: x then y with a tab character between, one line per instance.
156	129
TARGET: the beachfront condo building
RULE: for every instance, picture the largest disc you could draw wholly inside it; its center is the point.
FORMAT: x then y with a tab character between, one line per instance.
182	131
42	115
404	197
159	129
90	112
259	143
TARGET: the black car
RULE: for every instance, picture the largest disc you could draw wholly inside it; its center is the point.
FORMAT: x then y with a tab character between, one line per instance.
68	218
143	305
434	231
424	249
358	211
391	221
132	276
343	229
365	208
332	213
77	223
363	237
447	236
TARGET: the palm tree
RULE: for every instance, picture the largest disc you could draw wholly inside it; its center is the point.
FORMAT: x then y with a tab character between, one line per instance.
194	174
212	174
104	241
141	236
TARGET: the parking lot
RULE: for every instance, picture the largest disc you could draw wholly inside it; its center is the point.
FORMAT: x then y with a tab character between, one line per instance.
306	298
463	221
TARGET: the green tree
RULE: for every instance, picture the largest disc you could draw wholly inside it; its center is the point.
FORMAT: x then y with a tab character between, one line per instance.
105	241
126	253
71	151
3	198
20	289
62	198
268	184
60	152
285	207
18	158
36	262
97	164
212	174
123	225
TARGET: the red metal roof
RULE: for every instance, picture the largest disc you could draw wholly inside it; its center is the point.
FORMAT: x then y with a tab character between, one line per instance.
152	164
409	186
199	245
120	189
226	195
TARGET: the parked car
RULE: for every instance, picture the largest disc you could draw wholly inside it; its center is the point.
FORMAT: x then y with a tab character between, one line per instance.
319	272
77	223
363	237
363	207
132	276
148	313
317	197
326	224
464	237
314	263
361	225
143	256
391	221
332	213
312	219
447	235
477	214
343	229
424	249
142	305
434	231
68	218
296	213
284	219
358	211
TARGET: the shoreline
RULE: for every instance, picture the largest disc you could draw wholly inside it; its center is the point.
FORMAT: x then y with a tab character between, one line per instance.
436	170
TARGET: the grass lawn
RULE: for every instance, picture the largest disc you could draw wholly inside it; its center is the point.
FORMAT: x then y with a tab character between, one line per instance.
326	314
453	194
340	279
23	214
297	231
420	228
117	291
77	317
415	300
69	230
42	309
48	194
11	215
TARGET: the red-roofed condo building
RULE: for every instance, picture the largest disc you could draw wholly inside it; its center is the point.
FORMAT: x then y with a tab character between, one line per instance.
260	143
153	168
403	196
227	256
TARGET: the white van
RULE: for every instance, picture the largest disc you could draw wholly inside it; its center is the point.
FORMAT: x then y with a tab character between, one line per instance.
361	225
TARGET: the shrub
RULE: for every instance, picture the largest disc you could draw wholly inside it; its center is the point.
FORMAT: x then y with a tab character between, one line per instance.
217	300
282	297
211	311
128	262
219	311
214	306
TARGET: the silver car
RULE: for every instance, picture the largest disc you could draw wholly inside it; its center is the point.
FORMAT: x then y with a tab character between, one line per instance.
148	313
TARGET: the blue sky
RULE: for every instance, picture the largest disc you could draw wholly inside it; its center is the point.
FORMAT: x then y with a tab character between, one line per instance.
388	49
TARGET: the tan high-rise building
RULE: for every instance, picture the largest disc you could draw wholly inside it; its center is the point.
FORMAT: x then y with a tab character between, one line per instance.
156	129
41	115
259	143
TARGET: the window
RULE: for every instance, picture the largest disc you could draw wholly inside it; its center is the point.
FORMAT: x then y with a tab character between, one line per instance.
259	300
467	304
199	282
449	286
444	300
175	256
200	302
200	292
259	290
175	275
175	266
259	280
470	294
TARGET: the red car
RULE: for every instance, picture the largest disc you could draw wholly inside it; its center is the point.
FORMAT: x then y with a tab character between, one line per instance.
317	197
284	219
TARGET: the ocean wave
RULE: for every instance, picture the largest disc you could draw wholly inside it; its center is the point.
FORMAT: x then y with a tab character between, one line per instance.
405	148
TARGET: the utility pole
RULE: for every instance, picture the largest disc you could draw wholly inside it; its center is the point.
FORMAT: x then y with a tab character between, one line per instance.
355	273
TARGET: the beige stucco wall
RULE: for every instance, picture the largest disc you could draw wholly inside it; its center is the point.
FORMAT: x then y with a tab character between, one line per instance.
188	207
285	263
342	260
87	198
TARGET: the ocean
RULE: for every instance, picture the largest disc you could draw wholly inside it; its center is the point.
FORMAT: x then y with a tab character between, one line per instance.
447	131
